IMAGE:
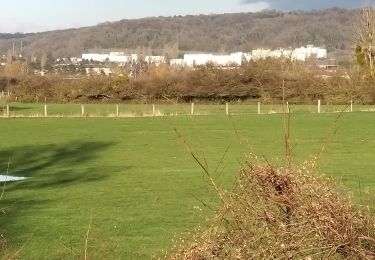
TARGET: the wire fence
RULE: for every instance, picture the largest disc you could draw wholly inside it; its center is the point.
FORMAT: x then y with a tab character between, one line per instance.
19	110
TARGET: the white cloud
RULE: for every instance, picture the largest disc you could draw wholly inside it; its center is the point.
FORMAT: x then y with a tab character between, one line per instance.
258	6
12	25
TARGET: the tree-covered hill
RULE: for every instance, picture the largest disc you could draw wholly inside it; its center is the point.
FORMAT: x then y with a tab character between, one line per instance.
333	28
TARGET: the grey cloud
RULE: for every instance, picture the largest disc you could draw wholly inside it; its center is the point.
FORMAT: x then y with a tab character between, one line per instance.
287	5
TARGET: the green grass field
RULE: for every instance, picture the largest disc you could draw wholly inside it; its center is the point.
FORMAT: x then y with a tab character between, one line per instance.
135	181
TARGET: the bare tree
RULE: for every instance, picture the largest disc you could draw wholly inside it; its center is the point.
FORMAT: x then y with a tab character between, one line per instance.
366	38
43	61
9	57
171	51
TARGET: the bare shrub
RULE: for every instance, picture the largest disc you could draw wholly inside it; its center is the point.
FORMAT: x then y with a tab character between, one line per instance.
256	80
292	213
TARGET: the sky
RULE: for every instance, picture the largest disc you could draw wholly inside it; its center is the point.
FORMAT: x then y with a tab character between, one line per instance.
43	15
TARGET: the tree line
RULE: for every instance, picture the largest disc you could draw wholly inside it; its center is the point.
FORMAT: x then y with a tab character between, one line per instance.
260	80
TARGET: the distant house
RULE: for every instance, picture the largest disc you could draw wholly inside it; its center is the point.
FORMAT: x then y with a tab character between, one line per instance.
328	64
99	71
3	60
75	60
177	62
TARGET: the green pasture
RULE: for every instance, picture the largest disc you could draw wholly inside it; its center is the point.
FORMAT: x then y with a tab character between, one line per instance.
134	180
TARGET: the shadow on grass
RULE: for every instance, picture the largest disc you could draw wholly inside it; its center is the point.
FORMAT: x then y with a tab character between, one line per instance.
53	165
54	170
18	108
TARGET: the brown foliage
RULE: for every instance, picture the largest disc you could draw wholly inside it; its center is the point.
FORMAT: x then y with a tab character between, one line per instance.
254	81
276	213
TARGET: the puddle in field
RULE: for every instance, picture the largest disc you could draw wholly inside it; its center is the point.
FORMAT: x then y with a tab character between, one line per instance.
6	178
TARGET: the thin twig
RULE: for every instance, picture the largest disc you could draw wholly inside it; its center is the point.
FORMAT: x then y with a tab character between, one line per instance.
23	246
7	173
87	239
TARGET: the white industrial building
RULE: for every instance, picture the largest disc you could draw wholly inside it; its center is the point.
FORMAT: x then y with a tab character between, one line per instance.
310	51
192	60
237	59
228	60
300	54
233	59
260	54
117	57
95	57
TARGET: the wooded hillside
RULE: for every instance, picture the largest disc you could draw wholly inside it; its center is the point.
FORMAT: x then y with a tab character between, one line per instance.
333	28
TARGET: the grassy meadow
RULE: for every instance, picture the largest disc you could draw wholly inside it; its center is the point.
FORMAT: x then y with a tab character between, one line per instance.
134	180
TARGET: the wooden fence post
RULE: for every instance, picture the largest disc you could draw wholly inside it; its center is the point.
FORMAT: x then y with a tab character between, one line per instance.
192	109
227	109
153	110
83	110
258	108
319	106
8	111
45	110
117	111
351	105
